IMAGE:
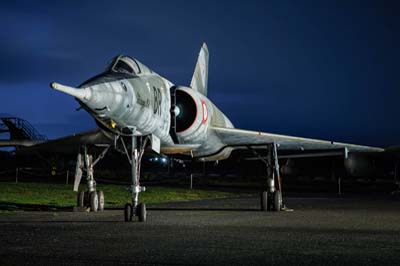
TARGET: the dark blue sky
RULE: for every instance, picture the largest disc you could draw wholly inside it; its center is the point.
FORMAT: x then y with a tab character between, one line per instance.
320	69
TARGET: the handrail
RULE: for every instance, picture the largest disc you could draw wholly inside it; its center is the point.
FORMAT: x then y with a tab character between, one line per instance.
24	127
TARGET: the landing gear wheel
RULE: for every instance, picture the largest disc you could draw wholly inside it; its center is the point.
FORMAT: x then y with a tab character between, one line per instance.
264	201
81	199
277	201
128	212
100	196
141	212
94	201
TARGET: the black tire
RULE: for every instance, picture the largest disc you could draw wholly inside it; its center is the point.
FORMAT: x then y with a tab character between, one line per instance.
141	212
87	198
277	201
128	212
94	201
264	201
270	206
81	199
100	195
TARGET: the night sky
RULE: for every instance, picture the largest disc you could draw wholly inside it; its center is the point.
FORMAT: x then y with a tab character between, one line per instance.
319	69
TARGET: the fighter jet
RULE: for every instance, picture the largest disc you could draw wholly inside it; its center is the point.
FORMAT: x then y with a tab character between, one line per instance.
137	109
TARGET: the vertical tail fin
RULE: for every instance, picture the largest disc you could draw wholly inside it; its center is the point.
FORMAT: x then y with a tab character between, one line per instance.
200	75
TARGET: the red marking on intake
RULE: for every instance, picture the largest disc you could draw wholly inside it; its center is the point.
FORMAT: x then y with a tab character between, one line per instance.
205	111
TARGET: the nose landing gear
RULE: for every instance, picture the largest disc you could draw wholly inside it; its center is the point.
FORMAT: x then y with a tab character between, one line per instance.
135	209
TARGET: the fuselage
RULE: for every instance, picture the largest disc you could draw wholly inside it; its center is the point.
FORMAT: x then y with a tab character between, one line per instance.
129	96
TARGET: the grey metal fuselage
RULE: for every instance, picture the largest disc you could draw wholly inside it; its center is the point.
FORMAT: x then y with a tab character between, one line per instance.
142	101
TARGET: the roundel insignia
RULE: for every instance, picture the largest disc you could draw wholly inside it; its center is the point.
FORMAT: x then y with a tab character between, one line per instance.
205	111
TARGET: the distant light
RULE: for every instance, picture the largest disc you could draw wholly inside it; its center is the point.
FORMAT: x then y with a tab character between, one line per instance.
160	160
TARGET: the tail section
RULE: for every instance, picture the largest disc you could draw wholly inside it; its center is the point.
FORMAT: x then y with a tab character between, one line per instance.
200	75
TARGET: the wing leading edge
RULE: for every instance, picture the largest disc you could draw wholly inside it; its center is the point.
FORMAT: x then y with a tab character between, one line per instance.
69	144
237	137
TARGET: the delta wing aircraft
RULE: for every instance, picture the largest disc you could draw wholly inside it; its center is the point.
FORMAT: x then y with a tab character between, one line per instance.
136	109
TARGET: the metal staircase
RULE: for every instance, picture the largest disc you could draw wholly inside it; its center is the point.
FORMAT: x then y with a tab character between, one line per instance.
19	129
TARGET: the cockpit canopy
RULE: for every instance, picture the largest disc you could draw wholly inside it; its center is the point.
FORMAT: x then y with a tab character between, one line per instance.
124	64
120	67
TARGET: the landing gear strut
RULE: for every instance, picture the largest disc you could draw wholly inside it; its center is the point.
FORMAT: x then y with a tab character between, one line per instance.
271	199
91	198
138	144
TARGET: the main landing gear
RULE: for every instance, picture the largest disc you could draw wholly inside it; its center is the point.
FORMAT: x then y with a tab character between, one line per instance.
271	199
92	199
135	154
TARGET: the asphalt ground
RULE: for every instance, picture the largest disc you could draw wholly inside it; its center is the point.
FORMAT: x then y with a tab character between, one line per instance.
320	231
